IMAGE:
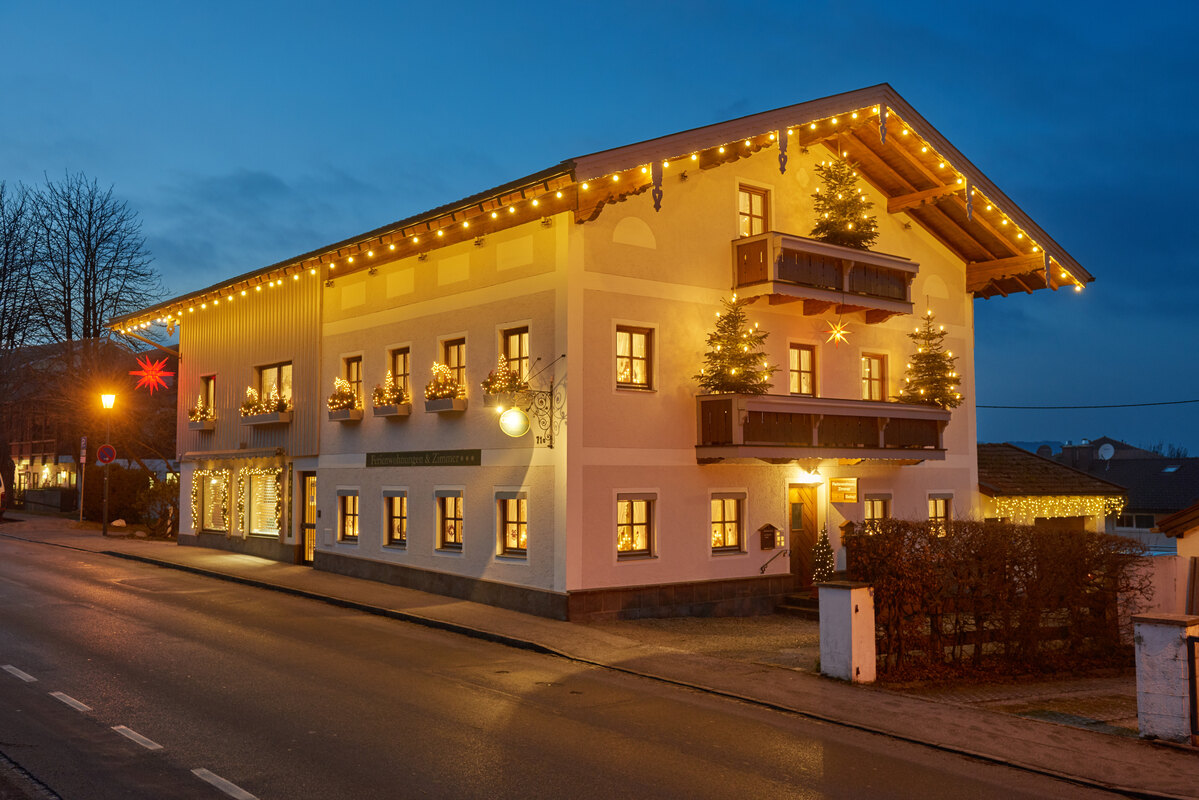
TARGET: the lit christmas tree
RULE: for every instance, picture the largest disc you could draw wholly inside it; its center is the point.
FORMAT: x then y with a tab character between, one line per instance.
931	379
824	563
841	208
734	363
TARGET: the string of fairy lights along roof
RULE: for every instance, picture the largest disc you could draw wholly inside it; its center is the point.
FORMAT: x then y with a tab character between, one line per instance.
1111	405
831	122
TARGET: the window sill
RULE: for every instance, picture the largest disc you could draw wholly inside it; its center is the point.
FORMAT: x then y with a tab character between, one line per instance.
448	551
628	387
636	557
521	558
347	541
396	545
728	551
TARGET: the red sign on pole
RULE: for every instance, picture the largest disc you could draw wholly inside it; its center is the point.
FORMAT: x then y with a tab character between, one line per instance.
106	454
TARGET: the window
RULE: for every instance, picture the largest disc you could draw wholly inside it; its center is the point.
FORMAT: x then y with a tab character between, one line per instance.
353	375
453	354
1135	521
751	210
512	512
726	522
876	507
214	501
401	369
208	391
264	502
347	515
449	520
939	508
634	525
395	509
275	376
516	350
634	357
803	369
874	376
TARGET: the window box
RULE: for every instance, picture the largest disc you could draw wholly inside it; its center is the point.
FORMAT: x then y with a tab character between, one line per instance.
273	418
396	410
201	424
345	415
444	405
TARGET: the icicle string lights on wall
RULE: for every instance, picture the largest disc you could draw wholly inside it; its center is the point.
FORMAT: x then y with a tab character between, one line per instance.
564	192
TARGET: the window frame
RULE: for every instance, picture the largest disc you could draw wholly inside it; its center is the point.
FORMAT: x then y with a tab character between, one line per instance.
649	359
522	359
504	502
872	503
742	216
457	346
444	544
650	499
253	480
739	503
389	518
260	375
794	348
208	391
944	499
344	515
403	379
205	489
871	381
351	371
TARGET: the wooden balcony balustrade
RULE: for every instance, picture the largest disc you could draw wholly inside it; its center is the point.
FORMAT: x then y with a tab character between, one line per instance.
823	277
786	427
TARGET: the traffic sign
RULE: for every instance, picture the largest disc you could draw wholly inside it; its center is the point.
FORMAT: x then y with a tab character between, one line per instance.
106	454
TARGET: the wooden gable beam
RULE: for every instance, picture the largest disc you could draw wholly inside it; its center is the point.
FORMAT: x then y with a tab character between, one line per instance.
823	134
905	201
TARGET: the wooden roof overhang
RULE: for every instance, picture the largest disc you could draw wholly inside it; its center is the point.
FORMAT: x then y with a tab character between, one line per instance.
897	152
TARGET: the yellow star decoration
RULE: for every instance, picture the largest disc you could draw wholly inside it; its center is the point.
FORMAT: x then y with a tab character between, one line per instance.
837	333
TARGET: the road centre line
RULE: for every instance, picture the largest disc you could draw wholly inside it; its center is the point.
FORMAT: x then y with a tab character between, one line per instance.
229	788
134	736
25	676
71	701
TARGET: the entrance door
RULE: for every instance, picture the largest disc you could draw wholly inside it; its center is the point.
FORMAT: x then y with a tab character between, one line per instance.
308	525
801	524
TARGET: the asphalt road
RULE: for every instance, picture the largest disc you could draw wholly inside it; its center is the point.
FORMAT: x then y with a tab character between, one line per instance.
281	697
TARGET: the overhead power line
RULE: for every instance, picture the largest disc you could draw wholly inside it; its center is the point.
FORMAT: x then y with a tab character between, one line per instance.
1114	405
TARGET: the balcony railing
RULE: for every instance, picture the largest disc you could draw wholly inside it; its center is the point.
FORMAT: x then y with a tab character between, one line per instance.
823	277
785	427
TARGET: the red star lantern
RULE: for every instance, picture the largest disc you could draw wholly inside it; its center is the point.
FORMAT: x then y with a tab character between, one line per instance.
151	374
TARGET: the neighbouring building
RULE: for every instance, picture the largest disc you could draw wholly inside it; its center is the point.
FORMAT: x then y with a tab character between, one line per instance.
1028	489
598	280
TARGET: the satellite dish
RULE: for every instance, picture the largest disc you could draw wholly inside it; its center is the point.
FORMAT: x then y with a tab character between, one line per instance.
1106	451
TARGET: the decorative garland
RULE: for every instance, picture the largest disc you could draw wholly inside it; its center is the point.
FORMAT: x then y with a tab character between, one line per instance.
243	475
1056	506
197	479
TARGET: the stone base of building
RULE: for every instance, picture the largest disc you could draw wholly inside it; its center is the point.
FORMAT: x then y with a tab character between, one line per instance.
740	597
261	546
736	597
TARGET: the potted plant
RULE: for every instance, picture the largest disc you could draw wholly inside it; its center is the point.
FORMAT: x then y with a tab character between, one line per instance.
344	405
270	410
502	384
444	393
390	400
201	417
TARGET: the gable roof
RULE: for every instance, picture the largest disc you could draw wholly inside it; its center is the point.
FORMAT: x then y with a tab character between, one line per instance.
895	149
1179	523
1005	470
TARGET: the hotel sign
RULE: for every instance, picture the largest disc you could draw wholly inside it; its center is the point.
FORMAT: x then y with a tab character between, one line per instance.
425	458
843	490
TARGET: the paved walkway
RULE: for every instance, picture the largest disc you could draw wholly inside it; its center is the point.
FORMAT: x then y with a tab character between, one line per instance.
740	659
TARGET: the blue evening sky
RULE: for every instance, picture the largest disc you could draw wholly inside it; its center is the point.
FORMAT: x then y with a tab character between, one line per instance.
247	132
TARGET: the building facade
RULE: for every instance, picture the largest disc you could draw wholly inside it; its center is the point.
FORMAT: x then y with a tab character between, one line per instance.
598	281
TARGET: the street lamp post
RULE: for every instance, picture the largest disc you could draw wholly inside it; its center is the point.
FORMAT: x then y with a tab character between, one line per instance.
108	400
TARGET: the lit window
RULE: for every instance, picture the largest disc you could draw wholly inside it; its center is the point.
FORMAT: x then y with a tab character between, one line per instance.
751	210
803	369
264	504
512	512
208	392
874	508
453	355
634	357
874	376
726	522
634	525
353	376
214	501
401	369
347	515
275	376
939	509
395	507
516	351
449	520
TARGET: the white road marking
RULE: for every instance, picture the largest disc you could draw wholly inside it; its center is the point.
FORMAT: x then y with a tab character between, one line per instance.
133	735
231	789
25	676
71	701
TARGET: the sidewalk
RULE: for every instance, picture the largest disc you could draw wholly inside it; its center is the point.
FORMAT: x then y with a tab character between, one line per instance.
736	658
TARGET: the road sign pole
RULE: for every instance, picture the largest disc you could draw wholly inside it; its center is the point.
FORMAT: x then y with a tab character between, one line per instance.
104	512
82	472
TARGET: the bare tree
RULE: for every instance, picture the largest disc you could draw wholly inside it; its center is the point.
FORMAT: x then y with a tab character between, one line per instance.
16	297
90	260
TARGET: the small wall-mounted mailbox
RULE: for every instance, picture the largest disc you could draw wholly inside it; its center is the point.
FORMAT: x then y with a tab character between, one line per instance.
772	537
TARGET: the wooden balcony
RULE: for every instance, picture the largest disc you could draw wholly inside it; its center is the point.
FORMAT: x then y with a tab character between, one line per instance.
780	428
823	278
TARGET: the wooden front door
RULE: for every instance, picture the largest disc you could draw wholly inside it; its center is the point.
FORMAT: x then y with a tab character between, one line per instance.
308	524
801	531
